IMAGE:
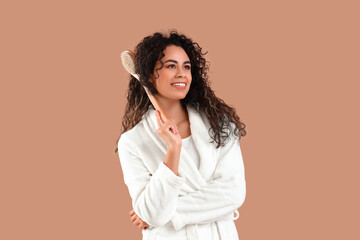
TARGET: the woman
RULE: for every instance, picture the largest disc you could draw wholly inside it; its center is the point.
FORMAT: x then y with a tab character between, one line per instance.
185	175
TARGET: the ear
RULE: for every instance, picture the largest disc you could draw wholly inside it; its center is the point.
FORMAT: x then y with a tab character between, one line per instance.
152	79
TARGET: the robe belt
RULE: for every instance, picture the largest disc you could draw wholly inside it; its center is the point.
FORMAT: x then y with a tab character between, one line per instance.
192	229
191	232
237	215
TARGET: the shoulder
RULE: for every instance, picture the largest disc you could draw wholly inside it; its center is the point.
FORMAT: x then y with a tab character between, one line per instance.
135	132
132	134
127	144
231	131
130	139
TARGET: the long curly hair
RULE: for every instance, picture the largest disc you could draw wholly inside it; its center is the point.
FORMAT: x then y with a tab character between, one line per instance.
200	96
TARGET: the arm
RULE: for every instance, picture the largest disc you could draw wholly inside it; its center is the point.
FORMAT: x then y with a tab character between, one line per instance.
154	197
220	197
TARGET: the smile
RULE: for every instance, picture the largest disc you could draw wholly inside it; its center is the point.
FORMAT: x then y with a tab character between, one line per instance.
180	86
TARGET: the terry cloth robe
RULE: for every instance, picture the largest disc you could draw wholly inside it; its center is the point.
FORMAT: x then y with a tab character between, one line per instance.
175	206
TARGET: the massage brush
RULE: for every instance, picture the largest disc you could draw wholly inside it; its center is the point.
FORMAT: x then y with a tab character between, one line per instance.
128	61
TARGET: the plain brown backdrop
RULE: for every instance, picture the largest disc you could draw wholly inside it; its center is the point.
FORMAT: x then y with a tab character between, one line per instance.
290	68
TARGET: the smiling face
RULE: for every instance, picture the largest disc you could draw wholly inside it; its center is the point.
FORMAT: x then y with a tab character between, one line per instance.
176	69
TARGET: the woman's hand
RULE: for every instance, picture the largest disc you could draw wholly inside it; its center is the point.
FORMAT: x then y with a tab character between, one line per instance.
168	131
137	220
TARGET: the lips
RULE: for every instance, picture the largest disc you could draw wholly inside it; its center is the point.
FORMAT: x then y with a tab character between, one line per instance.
179	87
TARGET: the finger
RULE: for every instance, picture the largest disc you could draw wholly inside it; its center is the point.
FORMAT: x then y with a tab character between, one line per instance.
143	225
172	128
135	222
159	121
174	125
176	129
132	212
138	221
134	217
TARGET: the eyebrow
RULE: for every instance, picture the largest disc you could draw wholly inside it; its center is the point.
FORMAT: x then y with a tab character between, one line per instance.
171	60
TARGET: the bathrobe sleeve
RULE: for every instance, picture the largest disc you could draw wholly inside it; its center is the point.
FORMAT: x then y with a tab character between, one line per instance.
154	196
219	197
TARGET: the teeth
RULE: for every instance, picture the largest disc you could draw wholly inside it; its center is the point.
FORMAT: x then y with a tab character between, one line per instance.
179	84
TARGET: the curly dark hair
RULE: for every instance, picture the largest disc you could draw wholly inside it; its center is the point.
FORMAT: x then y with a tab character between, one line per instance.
200	96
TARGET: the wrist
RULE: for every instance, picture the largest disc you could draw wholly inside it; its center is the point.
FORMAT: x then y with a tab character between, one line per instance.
174	148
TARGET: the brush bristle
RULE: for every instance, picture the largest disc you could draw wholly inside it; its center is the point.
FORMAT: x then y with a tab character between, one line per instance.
127	59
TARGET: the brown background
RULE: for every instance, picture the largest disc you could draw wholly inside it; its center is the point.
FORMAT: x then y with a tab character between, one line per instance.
290	68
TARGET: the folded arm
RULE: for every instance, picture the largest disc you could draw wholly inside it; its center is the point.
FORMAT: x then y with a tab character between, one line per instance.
218	198
154	197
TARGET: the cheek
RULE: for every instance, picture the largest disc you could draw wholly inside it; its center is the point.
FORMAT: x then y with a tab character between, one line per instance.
163	75
167	75
161	84
189	75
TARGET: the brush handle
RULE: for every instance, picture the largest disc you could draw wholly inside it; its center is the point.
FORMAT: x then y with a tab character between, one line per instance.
156	105
153	100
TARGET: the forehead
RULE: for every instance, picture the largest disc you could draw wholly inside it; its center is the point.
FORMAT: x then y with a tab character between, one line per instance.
175	53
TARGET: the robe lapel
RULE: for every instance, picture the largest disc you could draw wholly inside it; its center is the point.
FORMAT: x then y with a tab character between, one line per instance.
199	126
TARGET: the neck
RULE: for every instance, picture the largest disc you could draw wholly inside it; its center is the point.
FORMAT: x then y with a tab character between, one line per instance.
174	110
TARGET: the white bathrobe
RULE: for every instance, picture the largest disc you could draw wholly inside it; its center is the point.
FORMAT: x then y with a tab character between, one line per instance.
175	207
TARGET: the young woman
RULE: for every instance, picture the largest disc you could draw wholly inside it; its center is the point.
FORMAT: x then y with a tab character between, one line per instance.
185	175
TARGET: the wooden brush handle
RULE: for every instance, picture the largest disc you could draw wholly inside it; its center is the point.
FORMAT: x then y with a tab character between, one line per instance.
156	105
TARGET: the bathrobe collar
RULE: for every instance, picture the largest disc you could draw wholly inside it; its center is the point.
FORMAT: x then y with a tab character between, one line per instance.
199	127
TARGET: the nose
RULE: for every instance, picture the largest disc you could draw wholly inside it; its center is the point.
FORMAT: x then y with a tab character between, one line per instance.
180	73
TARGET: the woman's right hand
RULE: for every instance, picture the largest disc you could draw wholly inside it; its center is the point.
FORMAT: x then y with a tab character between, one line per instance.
137	221
168	131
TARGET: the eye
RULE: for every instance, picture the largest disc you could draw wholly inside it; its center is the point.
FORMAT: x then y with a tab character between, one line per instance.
187	67
171	65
